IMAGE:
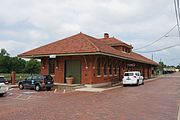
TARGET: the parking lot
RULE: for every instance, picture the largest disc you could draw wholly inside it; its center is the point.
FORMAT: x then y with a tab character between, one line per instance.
156	100
28	94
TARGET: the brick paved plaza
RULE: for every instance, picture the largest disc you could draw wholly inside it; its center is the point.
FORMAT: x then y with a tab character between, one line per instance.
156	100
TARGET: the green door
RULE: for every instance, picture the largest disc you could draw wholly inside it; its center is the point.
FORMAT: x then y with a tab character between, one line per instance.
73	68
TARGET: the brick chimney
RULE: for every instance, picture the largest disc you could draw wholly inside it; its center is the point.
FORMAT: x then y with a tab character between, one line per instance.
106	35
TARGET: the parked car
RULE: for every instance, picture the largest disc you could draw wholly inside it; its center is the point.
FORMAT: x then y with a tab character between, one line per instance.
3	80
133	77
37	82
3	89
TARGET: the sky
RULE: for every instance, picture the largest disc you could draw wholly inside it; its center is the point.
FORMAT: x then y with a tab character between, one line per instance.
28	24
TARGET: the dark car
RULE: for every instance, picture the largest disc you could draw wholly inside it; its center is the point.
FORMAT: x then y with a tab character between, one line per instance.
37	82
3	80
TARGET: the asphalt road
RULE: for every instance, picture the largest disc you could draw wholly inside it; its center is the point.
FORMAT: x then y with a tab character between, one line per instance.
155	100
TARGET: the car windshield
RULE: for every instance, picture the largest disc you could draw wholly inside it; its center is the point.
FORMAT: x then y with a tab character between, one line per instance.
48	77
128	74
2	79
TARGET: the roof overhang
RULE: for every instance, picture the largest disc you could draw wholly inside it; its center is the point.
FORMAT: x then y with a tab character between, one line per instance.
90	53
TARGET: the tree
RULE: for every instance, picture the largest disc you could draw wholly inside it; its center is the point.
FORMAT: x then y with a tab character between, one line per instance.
159	68
178	67
17	64
4	64
32	66
9	64
3	52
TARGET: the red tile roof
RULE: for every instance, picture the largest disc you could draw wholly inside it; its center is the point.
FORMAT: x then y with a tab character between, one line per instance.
82	43
113	42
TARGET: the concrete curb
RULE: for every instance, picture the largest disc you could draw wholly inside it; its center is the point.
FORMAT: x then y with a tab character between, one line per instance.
110	88
13	86
95	89
149	80
146	81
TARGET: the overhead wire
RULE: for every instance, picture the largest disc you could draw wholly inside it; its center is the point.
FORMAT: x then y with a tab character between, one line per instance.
151	51
177	12
165	35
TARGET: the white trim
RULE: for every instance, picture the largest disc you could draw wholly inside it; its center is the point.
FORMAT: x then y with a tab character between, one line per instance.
91	53
98	76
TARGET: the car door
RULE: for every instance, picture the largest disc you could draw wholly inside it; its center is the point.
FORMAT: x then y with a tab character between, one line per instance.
140	78
33	81
27	82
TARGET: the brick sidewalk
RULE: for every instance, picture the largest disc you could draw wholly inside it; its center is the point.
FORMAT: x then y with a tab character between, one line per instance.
156	100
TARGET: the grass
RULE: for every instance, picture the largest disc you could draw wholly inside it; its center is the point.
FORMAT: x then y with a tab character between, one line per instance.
19	76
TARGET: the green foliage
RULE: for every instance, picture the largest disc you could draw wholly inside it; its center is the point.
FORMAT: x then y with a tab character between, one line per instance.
3	52
4	61
178	67
159	69
9	64
32	66
19	76
17	64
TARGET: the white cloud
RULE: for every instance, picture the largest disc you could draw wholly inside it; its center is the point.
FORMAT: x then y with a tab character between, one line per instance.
137	22
13	47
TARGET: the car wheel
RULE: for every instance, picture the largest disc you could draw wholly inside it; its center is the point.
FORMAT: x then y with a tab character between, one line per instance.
37	88
21	86
1	94
48	88
137	83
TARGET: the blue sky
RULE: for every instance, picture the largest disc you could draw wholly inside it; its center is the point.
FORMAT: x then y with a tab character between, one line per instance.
27	24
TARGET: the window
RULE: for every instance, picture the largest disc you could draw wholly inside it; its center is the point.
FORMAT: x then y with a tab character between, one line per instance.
29	78
34	77
137	74
115	69
105	69
51	66
37	77
98	68
110	69
128	74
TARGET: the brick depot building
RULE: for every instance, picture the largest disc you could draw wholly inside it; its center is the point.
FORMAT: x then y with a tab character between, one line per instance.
89	60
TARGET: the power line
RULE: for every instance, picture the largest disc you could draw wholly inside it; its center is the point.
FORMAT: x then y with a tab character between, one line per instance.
176	6
177	12
165	35
177	58
159	49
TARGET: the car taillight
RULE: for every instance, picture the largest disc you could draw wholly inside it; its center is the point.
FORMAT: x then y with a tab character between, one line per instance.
134	76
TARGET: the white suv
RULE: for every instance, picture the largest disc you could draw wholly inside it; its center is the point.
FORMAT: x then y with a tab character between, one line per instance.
133	77
3	89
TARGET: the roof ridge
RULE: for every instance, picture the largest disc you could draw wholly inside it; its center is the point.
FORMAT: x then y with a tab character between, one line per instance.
86	36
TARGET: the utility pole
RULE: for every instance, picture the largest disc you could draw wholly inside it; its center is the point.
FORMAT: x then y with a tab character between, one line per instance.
176	6
152	57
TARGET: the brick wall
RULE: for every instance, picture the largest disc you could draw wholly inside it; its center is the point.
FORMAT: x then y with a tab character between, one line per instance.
89	68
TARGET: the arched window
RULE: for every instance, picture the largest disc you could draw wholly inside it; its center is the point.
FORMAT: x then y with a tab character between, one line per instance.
105	69
115	68
52	66
98	68
110	68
